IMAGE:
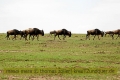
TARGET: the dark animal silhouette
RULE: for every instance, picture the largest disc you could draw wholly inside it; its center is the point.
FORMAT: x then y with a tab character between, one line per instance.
14	32
108	32
117	32
94	32
63	32
22	33
52	32
33	32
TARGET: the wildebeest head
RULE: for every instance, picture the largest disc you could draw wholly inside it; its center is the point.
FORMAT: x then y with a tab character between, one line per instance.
102	33
69	33
42	32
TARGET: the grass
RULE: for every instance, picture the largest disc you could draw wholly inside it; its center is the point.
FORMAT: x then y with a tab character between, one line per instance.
73	52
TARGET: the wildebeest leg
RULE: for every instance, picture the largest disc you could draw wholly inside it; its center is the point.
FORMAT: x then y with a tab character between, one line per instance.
29	36
33	37
112	36
109	34
94	37
59	37
21	37
98	37
64	37
55	36
26	37
37	37
89	37
14	37
8	37
118	36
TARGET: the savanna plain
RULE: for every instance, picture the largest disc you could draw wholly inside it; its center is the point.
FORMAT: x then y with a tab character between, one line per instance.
73	52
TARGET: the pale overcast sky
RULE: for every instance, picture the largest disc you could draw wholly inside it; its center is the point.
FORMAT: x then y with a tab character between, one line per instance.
77	16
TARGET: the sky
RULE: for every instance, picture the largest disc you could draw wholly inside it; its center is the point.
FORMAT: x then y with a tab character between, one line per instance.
76	16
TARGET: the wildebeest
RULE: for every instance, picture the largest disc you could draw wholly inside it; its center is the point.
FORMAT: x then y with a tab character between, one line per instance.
12	32
52	32
117	32
63	32
22	33
108	32
94	32
33	32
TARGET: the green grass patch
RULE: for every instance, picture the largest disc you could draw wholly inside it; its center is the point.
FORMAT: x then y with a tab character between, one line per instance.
73	52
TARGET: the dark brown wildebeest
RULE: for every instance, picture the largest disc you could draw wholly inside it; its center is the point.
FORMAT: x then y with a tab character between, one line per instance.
37	32
117	32
22	34
26	33
12	32
52	32
33	32
108	32
94	32
63	32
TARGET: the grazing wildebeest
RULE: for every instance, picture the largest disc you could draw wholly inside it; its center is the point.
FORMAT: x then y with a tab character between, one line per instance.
94	32
117	32
108	32
12	32
33	32
63	32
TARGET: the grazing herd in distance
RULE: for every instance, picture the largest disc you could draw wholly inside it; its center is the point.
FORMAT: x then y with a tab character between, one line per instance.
35	32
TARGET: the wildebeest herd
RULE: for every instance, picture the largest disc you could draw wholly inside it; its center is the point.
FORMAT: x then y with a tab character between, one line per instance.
31	32
99	32
35	32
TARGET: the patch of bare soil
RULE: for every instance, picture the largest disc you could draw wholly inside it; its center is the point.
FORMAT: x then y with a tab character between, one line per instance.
41	78
0	71
51	78
50	40
15	50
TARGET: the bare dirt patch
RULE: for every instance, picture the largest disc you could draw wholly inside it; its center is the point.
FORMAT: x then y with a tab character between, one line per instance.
15	51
